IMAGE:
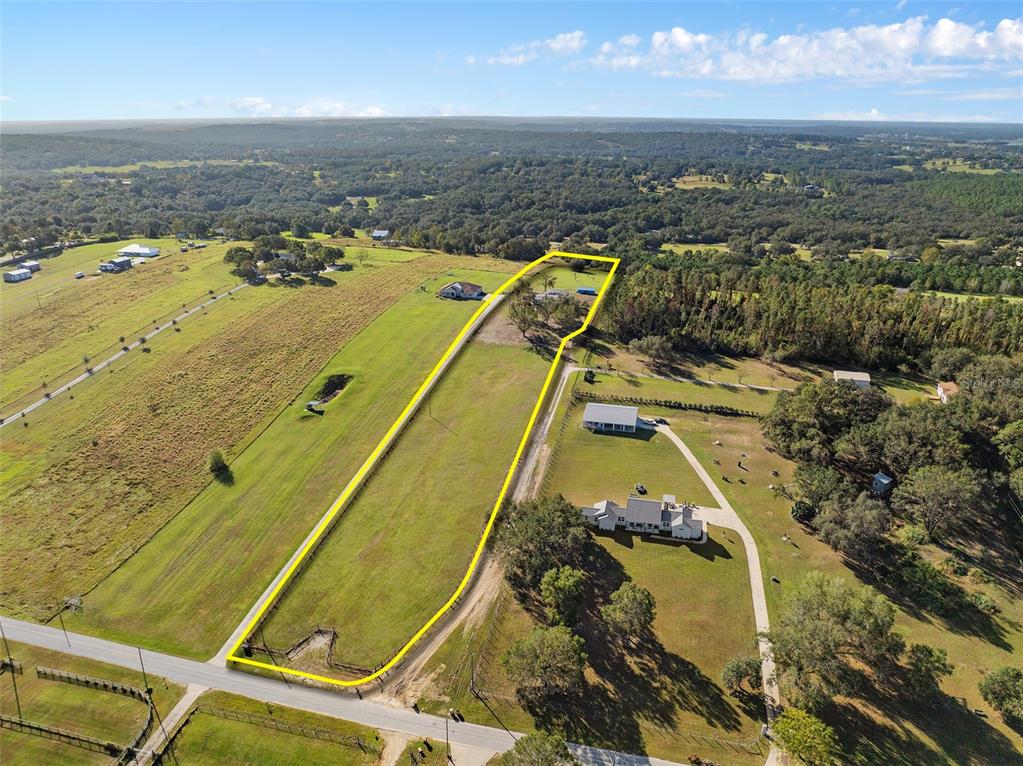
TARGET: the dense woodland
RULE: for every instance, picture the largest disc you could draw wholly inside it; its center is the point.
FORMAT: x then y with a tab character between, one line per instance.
512	188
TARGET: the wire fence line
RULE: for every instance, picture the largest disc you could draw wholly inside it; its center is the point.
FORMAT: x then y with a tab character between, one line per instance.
60	735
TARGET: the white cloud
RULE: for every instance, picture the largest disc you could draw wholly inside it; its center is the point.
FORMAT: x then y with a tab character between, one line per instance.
470	60
910	50
901	4
256	106
876	115
563	44
6	98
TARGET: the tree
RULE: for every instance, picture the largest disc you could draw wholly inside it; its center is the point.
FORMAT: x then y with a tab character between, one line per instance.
804	424
538	535
548	661
1009	441
539	749
216	462
925	667
806	737
816	484
854	527
824	625
940	498
947	363
562	591
657	347
631	610
742	670
523	314
1002	689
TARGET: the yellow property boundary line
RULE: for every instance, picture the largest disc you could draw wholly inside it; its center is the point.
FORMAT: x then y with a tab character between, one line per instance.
365	468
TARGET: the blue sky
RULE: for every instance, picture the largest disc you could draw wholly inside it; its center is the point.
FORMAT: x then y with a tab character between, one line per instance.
900	60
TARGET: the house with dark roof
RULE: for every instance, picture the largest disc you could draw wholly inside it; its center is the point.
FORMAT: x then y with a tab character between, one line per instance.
463	291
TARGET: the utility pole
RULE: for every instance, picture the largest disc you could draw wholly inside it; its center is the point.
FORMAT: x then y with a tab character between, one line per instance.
60	617
10	660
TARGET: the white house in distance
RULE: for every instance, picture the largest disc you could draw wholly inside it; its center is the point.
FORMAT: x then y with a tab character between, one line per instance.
610	417
466	291
947	390
135	250
379	234
651	517
861	379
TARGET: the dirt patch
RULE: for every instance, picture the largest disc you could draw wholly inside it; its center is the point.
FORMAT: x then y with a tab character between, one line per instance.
499	330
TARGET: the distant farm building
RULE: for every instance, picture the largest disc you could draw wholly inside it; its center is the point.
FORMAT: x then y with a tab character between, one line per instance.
116	265
947	390
610	417
379	234
31	265
547	295
461	291
662	517
17	275
586	290
136	250
861	379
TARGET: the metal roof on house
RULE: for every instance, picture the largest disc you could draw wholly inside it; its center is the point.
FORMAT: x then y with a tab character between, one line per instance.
614	414
641	511
465	287
380	232
850	375
136	249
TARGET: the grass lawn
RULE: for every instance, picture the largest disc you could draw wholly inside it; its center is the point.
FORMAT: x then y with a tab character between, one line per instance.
98	714
400	548
958	166
384	254
689	391
313	236
717	247
155	164
595	466
698	182
193	582
977	296
218	741
750	371
61	319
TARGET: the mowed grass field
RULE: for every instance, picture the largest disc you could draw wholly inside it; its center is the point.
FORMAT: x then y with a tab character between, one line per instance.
89	712
221	741
118	461
190	586
52	321
401	547
688	391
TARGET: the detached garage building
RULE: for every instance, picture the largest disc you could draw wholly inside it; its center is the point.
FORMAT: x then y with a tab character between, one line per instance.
610	417
17	275
135	250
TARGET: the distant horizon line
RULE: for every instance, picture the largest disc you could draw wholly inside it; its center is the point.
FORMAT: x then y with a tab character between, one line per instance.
491	117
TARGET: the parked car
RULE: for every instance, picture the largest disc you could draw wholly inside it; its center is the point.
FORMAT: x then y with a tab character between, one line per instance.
79	275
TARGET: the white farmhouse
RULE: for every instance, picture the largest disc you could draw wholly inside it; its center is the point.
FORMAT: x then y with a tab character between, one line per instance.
461	291
649	517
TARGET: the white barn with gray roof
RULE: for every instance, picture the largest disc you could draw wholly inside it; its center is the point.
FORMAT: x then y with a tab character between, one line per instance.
610	417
